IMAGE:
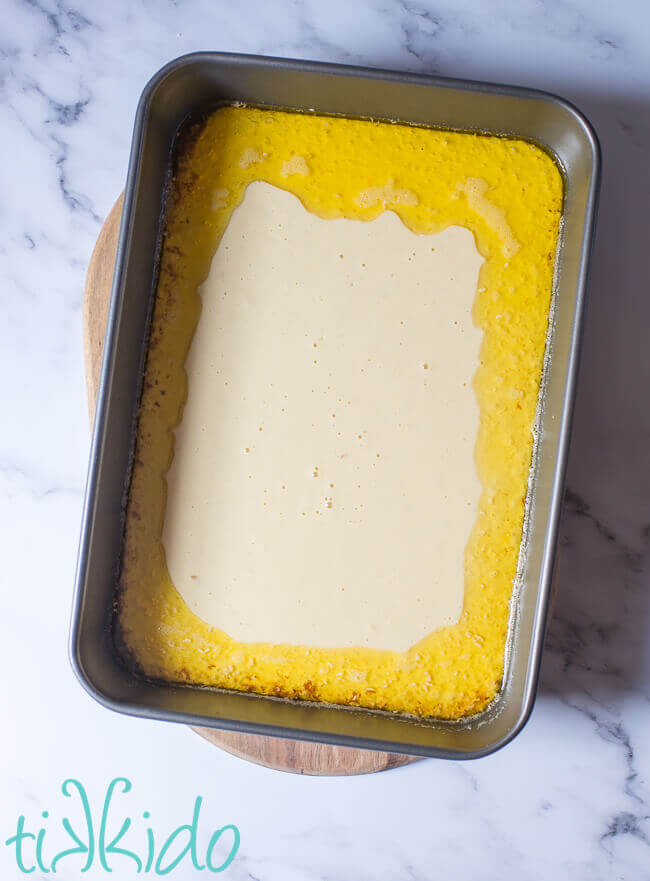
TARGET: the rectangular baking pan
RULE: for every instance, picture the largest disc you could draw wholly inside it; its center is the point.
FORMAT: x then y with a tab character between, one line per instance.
192	85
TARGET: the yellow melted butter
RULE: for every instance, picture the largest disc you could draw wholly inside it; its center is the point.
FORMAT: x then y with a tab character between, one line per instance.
509	194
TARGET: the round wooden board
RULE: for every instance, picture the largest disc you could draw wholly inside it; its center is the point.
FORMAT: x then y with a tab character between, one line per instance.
297	756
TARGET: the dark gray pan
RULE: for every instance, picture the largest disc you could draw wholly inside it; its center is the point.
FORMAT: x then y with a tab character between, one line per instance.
193	84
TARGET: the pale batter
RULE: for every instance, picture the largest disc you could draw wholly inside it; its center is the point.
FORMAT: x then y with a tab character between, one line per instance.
323	486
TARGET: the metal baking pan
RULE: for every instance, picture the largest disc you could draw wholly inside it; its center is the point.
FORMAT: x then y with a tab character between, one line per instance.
191	85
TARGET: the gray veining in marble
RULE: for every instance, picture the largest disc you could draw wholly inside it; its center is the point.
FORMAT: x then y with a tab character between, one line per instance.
570	798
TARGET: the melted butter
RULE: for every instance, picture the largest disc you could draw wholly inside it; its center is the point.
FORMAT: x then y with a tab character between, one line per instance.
323	486
513	209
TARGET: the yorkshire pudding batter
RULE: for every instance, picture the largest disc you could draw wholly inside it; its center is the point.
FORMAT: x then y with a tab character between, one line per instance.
290	583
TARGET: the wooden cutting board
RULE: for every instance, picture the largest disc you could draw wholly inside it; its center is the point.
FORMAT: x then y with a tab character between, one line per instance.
297	756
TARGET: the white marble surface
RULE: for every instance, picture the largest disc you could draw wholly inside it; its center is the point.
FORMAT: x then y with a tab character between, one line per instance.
570	798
